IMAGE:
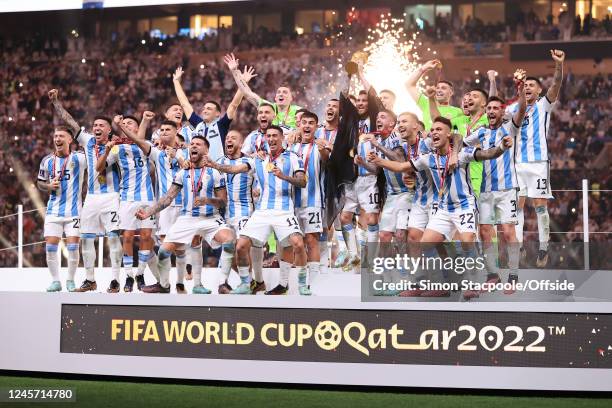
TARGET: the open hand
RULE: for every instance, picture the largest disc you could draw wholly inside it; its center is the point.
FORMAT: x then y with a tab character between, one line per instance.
231	61
178	74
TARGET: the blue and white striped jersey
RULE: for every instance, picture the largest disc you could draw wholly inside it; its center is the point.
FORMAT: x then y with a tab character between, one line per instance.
215	133
201	182
311	195
166	170
363	148
98	183
325	134
531	145
424	191
239	188
364	125
66	201
254	142
136	183
454	189
498	174
395	184
185	131
276	194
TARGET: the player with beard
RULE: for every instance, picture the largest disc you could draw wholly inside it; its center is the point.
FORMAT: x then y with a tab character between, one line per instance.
168	159
284	111
62	174
497	203
443	94
100	213
239	209
203	193
457	205
308	200
531	153
278	175
255	142
327	132
136	189
210	123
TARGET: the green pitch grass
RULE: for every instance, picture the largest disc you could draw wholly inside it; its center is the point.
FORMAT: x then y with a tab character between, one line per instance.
106	394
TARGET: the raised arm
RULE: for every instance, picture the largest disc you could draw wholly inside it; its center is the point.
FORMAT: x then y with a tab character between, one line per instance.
162	203
491	74
63	113
415	76
430	93
519	115
147	117
396	154
101	163
141	143
227	168
553	92
232	63
232	108
180	93
364	82
494	152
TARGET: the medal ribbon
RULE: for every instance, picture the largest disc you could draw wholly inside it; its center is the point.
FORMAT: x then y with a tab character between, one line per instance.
469	127
196	187
63	168
307	159
444	173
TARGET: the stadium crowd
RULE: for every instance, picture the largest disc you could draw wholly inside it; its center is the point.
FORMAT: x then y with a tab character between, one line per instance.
122	71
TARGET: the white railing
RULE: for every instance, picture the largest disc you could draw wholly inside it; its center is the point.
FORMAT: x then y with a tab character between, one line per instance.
585	226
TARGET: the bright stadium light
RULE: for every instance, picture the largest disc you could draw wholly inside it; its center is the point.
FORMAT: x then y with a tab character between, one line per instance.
160	43
16	137
202	66
143	42
21	84
102	64
33	118
83	61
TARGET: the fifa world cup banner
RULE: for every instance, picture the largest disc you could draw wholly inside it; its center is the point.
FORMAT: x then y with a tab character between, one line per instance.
507	339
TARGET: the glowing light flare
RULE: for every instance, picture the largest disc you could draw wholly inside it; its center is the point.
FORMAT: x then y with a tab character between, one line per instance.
390	62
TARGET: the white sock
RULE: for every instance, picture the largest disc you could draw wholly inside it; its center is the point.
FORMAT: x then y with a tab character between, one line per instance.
89	257
181	267
164	267
520	215
245	277
361	236
143	259
196	260
52	261
513	249
153	265
257	255
313	271
128	264
285	270
225	263
116	252
324	251
491	257
348	232
73	260
302	276
543	226
340	239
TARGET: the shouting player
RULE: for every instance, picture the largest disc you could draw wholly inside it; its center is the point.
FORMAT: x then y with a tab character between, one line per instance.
62	174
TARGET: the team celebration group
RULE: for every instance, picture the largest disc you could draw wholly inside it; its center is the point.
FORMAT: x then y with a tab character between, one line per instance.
448	174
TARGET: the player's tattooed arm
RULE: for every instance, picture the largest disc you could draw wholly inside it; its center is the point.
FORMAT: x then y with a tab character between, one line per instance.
101	163
232	108
369	166
494	152
180	93
48	186
218	201
62	112
492	74
396	154
298	179
395	166
232	63
553	92
457	140
162	203
226	168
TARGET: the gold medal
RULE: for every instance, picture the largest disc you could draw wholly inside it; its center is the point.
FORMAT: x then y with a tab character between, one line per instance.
352	153
269	166
306	177
102	179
